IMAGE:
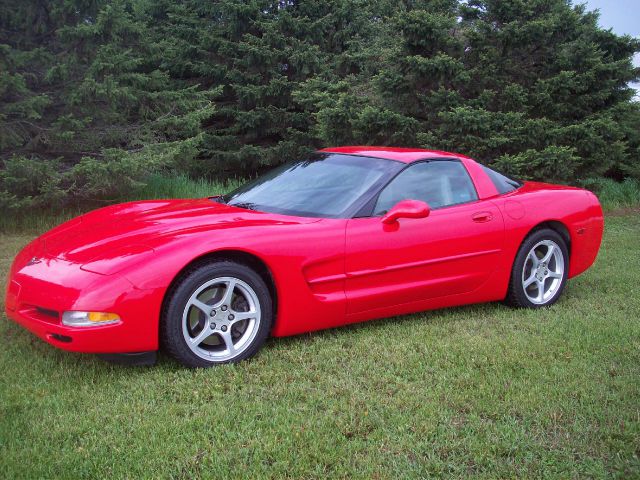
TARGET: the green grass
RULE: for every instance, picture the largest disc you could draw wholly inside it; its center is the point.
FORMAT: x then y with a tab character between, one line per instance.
181	186
614	195
155	186
482	391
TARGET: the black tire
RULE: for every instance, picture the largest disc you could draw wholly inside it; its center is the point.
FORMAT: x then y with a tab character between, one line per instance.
517	295
172	336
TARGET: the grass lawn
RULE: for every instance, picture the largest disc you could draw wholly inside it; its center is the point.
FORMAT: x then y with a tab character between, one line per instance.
481	390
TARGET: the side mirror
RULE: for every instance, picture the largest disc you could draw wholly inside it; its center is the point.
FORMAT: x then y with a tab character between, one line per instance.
406	209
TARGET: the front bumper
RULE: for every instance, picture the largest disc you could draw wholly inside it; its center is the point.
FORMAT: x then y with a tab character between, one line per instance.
38	293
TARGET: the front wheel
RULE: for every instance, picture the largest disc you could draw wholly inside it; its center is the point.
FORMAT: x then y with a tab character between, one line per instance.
219	312
539	272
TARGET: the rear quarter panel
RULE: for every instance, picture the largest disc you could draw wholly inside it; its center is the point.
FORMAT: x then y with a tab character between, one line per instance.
577	210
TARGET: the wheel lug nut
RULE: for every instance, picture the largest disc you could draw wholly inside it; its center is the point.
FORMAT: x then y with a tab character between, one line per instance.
223	328
231	317
212	313
223	308
213	326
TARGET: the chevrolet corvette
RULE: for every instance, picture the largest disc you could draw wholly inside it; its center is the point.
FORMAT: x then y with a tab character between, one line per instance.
346	235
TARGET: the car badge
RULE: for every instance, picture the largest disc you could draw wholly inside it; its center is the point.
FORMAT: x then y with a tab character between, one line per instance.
33	261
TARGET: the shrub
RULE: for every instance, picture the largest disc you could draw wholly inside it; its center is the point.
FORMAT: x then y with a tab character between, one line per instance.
30	182
614	194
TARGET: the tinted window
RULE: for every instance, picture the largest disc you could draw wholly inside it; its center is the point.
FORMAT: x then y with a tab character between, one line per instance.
503	183
326	185
439	183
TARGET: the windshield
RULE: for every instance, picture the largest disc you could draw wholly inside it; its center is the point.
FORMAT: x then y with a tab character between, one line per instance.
325	185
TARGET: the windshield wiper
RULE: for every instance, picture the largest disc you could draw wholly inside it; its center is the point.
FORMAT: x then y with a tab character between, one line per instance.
246	205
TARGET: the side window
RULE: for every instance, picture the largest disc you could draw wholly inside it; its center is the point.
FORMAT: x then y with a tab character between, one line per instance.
440	183
502	183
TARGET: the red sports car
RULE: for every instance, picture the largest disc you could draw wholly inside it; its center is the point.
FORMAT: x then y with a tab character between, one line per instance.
346	235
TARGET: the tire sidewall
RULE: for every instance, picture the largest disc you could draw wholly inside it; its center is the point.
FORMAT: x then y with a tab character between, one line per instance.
171	335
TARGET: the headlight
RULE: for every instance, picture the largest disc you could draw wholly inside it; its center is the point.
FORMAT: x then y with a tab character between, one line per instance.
89	319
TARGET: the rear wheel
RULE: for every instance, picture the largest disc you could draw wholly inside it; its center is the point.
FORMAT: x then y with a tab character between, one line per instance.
219	312
539	272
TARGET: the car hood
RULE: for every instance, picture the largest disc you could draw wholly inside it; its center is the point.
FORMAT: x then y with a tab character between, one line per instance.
137	227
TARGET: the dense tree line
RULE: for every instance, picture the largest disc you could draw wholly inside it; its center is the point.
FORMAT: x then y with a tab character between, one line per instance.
95	93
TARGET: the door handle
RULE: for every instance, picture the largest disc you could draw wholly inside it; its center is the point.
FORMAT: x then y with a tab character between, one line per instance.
482	217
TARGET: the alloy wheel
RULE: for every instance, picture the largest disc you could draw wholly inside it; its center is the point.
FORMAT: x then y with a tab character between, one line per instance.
543	272
221	319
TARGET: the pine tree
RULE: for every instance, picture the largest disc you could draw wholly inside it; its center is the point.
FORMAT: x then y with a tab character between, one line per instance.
95	93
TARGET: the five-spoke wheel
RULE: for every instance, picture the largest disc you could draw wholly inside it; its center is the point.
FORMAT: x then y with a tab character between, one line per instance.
539	270
221	318
219	312
543	271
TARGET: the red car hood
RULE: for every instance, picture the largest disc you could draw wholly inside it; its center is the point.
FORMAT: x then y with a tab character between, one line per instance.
132	228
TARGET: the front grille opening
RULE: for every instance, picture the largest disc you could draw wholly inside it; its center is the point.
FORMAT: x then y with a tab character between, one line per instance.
40	313
60	338
47	312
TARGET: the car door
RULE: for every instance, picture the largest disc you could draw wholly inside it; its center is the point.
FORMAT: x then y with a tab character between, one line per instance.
452	251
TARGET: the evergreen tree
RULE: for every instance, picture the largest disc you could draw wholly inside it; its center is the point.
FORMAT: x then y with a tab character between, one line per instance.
535	87
95	93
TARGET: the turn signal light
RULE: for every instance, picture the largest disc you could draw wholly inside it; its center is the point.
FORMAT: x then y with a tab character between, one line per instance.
88	319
